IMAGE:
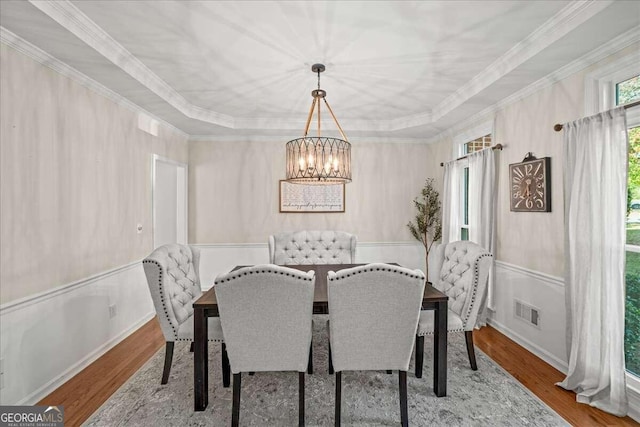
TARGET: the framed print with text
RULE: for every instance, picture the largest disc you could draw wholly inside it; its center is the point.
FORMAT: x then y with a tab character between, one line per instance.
302	198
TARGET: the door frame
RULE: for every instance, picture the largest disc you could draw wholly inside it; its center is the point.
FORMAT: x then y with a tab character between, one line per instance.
155	159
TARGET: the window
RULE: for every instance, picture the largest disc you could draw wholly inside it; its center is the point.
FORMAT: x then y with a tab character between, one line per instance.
629	91
466	148
618	83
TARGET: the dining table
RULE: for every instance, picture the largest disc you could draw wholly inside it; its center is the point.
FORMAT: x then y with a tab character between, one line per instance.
207	306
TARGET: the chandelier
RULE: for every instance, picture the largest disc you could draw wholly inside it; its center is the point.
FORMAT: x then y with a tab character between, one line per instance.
319	159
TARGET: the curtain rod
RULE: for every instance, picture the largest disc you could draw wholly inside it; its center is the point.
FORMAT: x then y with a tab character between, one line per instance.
495	147
558	127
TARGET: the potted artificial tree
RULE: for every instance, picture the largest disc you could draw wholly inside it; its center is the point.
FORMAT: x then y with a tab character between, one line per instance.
428	225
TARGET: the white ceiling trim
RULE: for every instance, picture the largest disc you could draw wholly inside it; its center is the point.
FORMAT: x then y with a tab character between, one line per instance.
548	33
21	45
74	20
281	139
70	17
612	46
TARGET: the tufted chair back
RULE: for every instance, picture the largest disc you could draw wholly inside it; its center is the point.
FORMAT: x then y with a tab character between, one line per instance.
174	282
312	247
462	269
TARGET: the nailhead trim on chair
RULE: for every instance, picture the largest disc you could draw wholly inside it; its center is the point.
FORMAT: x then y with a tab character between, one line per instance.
164	307
391	270
475	284
233	276
473	294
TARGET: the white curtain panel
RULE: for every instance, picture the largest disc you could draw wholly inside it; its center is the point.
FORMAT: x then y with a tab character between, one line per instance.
482	213
451	201
595	200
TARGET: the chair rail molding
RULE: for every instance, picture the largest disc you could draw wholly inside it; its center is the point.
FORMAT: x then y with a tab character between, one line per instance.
547	278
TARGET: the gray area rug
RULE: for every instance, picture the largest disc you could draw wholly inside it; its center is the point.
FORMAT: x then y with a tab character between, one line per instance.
486	397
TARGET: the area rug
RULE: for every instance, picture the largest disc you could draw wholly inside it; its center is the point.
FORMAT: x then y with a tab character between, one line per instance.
486	397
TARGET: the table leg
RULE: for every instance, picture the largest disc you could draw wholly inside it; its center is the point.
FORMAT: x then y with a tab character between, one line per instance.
200	371
440	350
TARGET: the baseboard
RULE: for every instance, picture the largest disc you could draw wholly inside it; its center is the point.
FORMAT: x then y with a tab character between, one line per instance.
75	369
531	347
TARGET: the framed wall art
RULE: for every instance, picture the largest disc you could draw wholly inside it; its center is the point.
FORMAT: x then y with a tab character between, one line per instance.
530	184
302	198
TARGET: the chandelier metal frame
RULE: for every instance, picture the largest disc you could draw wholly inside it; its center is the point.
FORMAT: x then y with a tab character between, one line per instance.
319	159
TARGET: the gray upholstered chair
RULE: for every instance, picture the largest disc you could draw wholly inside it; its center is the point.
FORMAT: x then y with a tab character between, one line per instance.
174	283
461	270
312	247
265	312
373	316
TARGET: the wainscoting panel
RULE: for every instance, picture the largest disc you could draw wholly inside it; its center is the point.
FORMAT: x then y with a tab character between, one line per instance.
48	338
546	293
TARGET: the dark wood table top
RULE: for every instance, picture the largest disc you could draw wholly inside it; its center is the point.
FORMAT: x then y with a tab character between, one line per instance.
207	300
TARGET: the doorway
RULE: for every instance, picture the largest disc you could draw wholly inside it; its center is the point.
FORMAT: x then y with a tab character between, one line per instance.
169	194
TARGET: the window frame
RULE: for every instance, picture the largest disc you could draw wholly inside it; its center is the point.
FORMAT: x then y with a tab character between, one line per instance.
600	95
459	142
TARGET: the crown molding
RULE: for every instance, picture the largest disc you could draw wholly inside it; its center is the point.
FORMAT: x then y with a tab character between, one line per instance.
70	17
279	139
21	45
565	21
75	21
614	45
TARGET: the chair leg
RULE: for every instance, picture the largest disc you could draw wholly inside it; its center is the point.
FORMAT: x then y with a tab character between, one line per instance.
226	369
338	397
330	362
168	357
235	408
404	411
419	355
301	399
193	345
310	364
468	335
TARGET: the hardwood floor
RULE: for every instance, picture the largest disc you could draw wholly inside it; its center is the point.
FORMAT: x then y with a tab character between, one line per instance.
83	394
86	392
540	377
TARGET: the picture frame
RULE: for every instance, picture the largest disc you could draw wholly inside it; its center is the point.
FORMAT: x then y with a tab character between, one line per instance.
303	198
530	185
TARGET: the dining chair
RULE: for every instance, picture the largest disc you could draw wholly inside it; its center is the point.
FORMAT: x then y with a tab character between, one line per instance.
265	311
373	316
461	272
174	282
312	247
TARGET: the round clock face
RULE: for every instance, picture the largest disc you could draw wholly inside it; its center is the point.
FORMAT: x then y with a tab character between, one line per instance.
528	186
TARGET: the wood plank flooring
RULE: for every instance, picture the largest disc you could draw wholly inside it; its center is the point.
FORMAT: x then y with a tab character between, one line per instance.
86	392
83	394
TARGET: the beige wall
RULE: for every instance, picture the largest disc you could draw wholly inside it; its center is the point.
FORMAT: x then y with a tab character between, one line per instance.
74	179
233	192
534	240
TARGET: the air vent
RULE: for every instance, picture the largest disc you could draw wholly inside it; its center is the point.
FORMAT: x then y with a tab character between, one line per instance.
527	313
148	124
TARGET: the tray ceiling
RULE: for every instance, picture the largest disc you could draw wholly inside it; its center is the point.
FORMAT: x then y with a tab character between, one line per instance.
403	70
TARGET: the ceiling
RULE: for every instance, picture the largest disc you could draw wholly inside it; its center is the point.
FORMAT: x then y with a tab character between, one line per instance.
394	70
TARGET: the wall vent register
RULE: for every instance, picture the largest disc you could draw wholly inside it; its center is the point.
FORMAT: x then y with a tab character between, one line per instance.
527	313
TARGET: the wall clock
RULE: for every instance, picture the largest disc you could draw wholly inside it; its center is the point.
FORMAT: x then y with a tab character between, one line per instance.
530	184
